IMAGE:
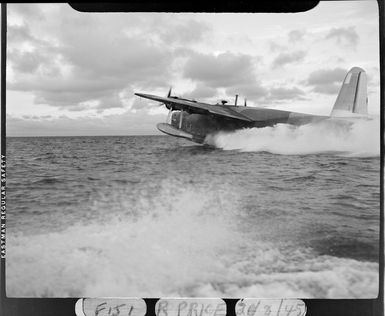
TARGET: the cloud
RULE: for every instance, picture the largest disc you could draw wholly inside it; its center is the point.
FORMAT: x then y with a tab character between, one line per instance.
88	62
371	73
26	52
253	91
75	58
201	91
127	123
344	36
326	81
26	62
296	36
19	33
266	95
324	76
273	46
282	93
63	92
32	11
144	104
331	88
109	101
223	70
288	58
184	32
234	72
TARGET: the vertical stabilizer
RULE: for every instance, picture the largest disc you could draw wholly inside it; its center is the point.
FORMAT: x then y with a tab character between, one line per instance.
352	97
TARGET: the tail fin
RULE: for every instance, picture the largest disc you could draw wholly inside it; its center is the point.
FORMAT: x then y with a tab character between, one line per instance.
352	97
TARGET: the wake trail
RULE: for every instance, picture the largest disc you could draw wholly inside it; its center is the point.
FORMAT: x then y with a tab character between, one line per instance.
356	137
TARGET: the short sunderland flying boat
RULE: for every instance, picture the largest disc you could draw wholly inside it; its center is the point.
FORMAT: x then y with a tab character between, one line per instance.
195	120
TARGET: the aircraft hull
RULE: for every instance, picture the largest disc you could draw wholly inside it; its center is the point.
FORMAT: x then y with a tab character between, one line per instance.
195	127
195	120
171	130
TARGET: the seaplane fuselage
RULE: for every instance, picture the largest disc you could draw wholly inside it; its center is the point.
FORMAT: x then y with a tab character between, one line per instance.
195	120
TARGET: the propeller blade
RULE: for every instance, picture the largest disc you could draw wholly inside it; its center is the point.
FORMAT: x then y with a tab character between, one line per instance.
168	106
165	103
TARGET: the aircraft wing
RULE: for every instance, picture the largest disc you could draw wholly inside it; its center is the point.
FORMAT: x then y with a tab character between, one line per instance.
197	107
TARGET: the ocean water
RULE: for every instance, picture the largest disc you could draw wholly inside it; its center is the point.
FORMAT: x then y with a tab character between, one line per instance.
275	212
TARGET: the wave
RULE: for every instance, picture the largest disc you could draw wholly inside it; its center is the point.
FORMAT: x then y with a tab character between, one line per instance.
132	246
177	239
356	138
47	180
100	261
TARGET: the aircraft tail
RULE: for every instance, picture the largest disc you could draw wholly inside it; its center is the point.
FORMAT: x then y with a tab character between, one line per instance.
352	97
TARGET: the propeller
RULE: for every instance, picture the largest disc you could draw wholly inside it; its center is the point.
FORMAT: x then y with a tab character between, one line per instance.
168	106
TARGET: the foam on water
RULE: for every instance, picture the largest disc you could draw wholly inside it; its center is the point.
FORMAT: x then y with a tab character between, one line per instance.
183	240
358	138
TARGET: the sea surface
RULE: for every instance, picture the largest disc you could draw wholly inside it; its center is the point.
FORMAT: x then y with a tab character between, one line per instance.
275	212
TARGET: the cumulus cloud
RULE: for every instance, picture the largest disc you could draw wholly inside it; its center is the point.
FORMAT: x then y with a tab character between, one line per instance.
296	36
201	91
184	32
274	46
344	36
288	58
223	70
26	62
32	11
253	91
144	104
76	58
127	123
88	62
19	33
326	81
267	95
235	73
324	76
283	93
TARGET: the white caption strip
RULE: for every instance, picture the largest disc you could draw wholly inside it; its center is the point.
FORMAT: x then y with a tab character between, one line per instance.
270	307
110	307
190	307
